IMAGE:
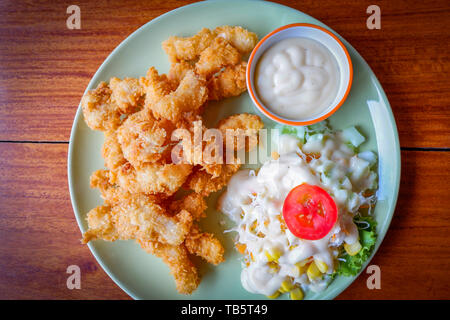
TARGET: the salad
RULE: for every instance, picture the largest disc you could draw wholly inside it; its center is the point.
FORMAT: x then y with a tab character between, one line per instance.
305	216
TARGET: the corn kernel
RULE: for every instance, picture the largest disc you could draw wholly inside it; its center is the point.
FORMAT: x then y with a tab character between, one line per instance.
274	267
303	262
297	294
352	249
273	254
322	266
275	295
313	272
286	286
301	268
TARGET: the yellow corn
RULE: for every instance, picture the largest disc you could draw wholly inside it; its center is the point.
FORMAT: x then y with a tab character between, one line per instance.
322	266
273	254
301	268
275	295
313	272
297	294
274	267
352	249
303	262
286	286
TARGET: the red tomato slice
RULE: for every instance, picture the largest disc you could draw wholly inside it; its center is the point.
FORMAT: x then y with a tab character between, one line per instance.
309	212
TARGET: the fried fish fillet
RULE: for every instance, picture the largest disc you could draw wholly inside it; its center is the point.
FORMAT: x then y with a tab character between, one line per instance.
143	139
228	83
100	113
177	259
243	128
217	56
205	245
112	151
202	182
155	86
189	48
137	217
190	95
178	71
194	203
126	93
153	178
240	38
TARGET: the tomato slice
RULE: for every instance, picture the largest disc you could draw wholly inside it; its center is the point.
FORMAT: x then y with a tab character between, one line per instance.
309	212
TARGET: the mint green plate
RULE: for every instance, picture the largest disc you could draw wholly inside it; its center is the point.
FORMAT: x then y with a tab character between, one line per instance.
144	276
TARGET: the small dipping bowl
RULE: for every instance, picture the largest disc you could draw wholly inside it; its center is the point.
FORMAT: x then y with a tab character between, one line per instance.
313	32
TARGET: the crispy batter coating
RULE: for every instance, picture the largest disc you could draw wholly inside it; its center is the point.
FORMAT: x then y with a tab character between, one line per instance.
143	139
205	245
178	71
137	217
179	48
127	93
220	54
101	225
111	194
243	128
138	118
112	151
240	38
177	259
153	178
193	202
228	83
190	95
202	182
100	113
155	87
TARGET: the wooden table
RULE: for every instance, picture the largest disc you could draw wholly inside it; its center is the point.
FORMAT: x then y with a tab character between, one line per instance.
45	68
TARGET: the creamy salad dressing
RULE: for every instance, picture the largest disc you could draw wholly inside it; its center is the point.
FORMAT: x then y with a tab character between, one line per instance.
297	78
254	202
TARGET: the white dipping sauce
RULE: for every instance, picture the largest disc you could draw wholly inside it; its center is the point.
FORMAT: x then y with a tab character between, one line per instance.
297	78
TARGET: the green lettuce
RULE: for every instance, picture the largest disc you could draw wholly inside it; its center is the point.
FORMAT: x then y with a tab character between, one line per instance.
351	265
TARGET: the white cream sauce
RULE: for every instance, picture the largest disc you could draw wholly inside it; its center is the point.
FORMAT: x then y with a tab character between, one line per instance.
297	78
254	202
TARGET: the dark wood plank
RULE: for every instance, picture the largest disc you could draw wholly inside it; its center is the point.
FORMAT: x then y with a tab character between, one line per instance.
38	231
415	256
46	67
40	237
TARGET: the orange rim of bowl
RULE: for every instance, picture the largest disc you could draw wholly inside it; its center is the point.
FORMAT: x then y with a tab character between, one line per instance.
289	122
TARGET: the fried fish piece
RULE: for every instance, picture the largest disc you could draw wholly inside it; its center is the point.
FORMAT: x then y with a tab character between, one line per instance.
202	182
178	71
177	258
143	139
194	203
217	56
190	95
100	113
153	178
228	83
111	193
205	245
112	151
155	86
189	48
240	38
127	93
243	128
137	217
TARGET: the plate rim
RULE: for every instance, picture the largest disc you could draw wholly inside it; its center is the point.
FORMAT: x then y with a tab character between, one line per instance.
73	134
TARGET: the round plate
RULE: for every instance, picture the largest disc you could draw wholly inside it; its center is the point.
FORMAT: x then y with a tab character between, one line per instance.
144	276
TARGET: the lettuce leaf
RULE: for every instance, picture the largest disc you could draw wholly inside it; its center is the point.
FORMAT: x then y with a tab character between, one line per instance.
351	265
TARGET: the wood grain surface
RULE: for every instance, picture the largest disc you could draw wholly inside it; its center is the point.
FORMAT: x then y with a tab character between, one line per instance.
45	68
